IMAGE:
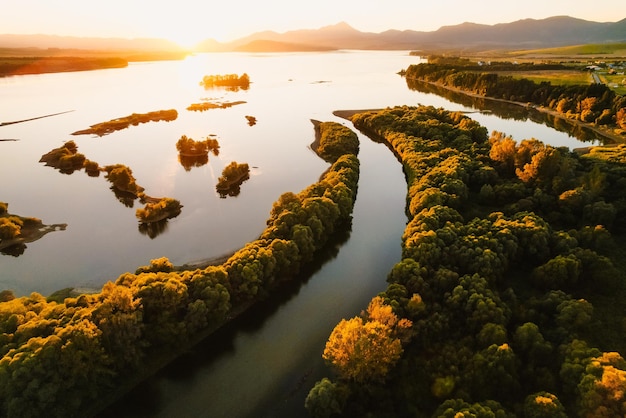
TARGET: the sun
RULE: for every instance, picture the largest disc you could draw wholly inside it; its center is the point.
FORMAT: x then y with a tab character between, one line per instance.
186	39
187	34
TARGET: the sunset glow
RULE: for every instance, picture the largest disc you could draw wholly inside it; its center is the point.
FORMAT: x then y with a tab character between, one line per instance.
188	22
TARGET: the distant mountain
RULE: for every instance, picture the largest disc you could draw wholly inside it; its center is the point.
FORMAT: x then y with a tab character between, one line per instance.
521	34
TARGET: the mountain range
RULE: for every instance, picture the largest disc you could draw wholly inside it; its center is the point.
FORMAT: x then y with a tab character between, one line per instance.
522	34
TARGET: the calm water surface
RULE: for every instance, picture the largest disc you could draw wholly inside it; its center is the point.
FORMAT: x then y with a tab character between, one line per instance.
264	363
102	239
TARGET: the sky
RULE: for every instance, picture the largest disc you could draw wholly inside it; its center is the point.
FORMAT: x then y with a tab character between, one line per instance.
189	21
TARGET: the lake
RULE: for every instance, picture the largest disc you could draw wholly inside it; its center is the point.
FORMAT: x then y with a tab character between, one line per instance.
265	362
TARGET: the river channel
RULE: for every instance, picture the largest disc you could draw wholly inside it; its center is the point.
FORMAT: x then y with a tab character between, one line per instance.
264	363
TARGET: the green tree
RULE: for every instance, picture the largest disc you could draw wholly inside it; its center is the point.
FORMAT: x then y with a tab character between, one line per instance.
543	405
326	399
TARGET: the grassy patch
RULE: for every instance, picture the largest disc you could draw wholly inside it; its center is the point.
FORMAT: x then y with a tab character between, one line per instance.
554	77
618	48
616	82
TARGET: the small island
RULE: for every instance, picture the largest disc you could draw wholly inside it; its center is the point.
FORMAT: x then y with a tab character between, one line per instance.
251	120
233	175
121	177
192	153
105	128
192	148
65	158
16	231
231	82
159	209
203	106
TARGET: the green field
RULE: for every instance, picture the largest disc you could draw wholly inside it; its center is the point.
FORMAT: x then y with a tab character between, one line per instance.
554	77
617	49
617	82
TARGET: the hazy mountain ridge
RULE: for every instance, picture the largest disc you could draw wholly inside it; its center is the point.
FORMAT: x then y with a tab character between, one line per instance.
526	33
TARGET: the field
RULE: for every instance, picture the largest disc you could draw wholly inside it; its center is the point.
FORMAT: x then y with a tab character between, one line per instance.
617	82
567	77
586	52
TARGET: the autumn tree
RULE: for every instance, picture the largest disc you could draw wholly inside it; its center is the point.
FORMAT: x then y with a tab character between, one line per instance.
366	350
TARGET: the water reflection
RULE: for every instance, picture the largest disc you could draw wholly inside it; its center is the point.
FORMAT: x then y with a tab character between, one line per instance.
150	397
156	211
125	198
233	176
192	153
15	250
153	229
190	161
510	111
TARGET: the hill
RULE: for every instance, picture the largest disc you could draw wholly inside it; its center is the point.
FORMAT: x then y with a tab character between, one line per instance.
522	34
551	32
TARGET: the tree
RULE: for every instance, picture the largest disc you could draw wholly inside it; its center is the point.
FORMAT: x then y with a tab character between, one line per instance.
543	405
119	315
603	387
503	151
458	408
560	271
365	351
326	399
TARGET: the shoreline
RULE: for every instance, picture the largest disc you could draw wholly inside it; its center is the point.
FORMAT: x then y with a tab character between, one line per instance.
617	139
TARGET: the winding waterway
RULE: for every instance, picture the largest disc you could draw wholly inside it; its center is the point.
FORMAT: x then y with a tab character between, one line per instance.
265	362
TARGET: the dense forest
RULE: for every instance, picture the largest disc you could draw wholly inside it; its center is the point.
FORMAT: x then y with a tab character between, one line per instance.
69	356
509	297
592	103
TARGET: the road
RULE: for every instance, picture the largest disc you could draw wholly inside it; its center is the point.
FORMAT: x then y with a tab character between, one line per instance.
596	78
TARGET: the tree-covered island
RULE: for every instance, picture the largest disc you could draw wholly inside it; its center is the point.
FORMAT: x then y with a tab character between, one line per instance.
509	298
192	153
16	231
71	357
231	82
105	128
233	176
67	160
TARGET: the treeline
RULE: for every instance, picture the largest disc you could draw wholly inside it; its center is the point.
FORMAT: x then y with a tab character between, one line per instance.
490	311
592	103
37	65
469	65
232	82
60	357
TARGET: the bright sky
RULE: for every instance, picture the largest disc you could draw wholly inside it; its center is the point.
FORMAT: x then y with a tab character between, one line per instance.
188	21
